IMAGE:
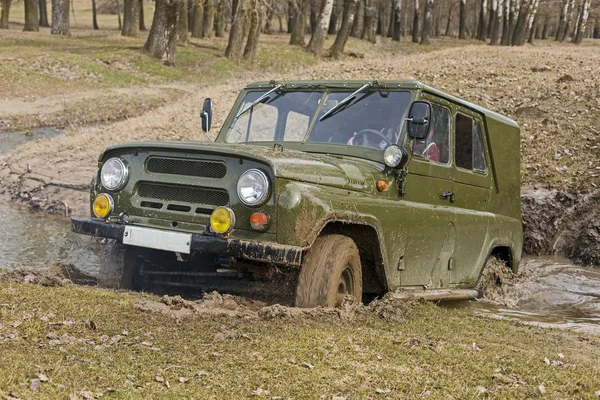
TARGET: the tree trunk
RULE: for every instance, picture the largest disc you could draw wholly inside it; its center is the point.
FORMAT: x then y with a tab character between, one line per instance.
449	20
317	39
119	15
198	19
236	33
416	18
427	22
397	20
337	49
209	19
462	20
492	19
370	22
5	4
269	20
532	23
505	41
131	22
333	20
254	32
582	21
182	22
359	19
497	23
162	39
60	17
299	22
220	19
567	26
43	13
545	28
142	26
520	25
314	14
596	34
32	18
483	19
94	16
562	20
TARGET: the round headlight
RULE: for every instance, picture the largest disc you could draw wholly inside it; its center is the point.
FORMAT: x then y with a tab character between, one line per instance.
393	156
114	174
103	205
253	187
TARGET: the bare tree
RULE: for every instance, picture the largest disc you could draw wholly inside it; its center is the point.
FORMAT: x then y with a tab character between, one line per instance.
337	49
370	21
5	4
209	18
254	31
483	18
397	26
220	19
198	19
506	27
358	23
427	22
94	16
60	17
462	20
317	39
497	22
582	22
43	13
162	39
567	27
236	34
415	28
182	23
131	21
32	18
298	10
142	25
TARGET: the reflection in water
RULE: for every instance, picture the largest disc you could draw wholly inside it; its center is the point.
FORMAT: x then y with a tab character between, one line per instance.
35	239
551	292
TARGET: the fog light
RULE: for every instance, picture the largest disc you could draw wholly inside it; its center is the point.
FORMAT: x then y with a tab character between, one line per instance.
259	221
222	220
103	206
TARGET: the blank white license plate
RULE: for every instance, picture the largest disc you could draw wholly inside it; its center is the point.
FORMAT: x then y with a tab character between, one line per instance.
157	239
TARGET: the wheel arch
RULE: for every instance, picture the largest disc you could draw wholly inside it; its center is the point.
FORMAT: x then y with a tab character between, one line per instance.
366	237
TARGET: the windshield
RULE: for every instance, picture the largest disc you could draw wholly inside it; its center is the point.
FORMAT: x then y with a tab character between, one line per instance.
371	119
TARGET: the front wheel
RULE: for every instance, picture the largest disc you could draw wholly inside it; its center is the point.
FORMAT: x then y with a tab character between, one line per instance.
331	270
118	266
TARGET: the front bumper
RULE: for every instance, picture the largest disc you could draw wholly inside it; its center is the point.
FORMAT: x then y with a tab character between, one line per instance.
205	244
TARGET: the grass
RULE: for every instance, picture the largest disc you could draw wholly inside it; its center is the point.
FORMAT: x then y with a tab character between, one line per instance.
241	357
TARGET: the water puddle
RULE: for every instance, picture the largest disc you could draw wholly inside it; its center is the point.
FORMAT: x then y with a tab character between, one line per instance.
33	239
552	292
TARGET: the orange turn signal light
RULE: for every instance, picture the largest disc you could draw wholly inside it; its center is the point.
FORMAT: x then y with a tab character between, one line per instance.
381	185
259	221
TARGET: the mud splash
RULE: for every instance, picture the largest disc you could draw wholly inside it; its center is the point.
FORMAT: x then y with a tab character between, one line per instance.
217	304
565	223
55	274
549	291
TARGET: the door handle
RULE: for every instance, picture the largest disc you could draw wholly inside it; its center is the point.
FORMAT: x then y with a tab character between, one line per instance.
448	195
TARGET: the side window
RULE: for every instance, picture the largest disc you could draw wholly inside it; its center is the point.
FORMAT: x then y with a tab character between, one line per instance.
296	126
436	147
469	152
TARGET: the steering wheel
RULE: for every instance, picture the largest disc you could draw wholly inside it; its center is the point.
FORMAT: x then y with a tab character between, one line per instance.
367	131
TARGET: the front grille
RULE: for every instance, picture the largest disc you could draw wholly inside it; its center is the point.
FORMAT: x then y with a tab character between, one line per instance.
185	194
178	166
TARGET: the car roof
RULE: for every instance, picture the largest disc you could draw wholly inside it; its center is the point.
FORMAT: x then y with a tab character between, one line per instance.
403	84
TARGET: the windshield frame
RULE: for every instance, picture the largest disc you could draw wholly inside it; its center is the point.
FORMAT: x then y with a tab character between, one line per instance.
318	147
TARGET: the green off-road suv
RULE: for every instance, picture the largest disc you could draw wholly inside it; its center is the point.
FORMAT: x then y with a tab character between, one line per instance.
319	189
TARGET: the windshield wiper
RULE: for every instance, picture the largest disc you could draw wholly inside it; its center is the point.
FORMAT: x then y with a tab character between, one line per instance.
259	100
346	100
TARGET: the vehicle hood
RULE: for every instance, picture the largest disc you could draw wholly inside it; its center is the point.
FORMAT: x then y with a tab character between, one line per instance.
330	170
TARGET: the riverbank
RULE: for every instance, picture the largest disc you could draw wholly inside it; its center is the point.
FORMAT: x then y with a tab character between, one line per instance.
127	344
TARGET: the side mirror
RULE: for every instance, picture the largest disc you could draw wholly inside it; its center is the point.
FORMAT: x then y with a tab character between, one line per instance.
419	119
206	115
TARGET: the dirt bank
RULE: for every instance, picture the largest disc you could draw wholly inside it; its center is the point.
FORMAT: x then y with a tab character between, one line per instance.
551	90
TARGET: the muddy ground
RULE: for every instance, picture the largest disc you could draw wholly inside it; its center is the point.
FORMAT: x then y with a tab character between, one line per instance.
552	90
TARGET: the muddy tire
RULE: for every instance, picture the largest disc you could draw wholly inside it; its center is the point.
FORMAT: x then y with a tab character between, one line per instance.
117	266
330	271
